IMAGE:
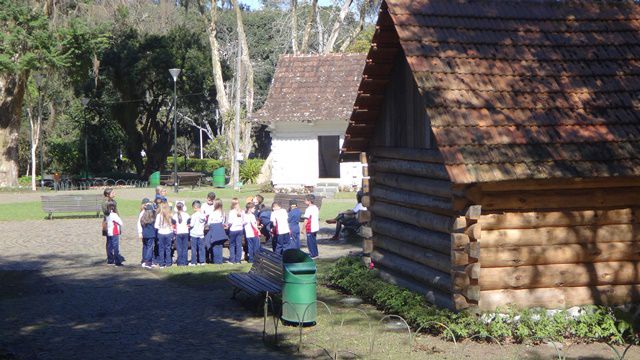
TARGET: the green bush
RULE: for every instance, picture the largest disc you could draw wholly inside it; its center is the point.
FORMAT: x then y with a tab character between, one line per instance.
597	323
250	170
205	166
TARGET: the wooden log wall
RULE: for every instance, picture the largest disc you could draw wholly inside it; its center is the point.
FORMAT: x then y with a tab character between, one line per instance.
560	258
422	239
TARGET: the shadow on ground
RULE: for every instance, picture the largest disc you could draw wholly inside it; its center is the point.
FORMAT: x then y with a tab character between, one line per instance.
103	312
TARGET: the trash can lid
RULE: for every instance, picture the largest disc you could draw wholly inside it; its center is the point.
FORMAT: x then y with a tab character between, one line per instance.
301	268
296	256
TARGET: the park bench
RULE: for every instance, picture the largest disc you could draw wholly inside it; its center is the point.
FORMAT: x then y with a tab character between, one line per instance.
283	200
72	204
265	276
192	179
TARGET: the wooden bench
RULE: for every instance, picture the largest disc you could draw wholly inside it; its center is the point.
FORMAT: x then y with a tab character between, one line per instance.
72	204
283	200
265	276
192	179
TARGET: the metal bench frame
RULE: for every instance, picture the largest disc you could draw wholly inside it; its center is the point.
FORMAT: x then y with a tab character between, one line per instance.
72	204
264	277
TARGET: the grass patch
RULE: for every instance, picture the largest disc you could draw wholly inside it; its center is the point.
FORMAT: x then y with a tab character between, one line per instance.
596	323
32	210
199	276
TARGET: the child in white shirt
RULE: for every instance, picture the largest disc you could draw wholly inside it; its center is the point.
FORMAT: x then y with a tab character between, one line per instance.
114	229
251	231
235	224
197	221
181	220
311	224
280	221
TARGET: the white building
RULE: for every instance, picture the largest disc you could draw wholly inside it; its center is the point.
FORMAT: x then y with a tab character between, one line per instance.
309	103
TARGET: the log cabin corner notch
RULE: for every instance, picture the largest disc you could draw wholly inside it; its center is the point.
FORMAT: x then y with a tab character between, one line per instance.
503	149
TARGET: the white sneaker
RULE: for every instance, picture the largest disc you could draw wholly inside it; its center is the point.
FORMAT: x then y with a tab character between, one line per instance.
190	264
146	266
162	267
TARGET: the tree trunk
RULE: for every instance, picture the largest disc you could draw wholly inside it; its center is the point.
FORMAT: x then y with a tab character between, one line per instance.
34	126
294	27
221	95
247	67
12	89
335	30
307	27
320	29
354	34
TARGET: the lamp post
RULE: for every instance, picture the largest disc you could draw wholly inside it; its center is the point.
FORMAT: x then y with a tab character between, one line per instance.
174	74
39	79
85	102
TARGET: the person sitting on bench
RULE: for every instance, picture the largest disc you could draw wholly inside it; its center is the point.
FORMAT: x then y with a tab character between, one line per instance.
347	218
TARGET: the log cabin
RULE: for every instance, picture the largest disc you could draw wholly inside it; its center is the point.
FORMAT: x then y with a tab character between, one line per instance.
306	111
501	149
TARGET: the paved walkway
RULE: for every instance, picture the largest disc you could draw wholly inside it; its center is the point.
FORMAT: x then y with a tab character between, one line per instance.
68	305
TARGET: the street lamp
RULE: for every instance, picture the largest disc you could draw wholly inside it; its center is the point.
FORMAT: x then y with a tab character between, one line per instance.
85	102
39	79
174	74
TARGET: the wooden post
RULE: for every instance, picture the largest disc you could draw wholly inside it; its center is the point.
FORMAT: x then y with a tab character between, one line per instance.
464	257
367	241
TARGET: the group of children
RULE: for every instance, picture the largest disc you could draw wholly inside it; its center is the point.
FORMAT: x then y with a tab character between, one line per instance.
162	226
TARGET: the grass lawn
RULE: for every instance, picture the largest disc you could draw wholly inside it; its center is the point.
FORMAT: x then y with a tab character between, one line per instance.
129	202
346	329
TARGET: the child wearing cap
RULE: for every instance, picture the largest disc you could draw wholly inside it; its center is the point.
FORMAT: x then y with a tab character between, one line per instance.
294	223
181	229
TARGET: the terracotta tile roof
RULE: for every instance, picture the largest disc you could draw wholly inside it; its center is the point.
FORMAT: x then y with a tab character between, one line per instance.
313	88
520	89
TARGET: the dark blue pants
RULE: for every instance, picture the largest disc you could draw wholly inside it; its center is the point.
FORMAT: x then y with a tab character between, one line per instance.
283	242
216	248
147	250
295	240
208	248
253	244
164	249
197	250
312	245
235	246
113	250
182	248
156	251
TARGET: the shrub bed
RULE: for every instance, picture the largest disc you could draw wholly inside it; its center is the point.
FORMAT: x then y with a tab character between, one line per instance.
592	323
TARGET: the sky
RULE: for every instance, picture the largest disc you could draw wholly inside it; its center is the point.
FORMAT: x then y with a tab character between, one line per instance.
256	4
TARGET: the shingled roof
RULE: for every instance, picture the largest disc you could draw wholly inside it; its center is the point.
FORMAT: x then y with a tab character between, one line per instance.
313	88
515	89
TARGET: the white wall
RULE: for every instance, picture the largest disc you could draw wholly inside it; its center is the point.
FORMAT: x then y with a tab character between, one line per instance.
294	149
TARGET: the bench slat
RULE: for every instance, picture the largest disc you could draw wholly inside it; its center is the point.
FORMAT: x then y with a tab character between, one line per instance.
264	276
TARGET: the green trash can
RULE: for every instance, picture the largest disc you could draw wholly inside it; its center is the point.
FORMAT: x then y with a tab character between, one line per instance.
298	288
218	177
154	179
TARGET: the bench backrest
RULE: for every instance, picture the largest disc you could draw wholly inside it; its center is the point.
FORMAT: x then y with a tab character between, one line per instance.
268	264
283	200
71	203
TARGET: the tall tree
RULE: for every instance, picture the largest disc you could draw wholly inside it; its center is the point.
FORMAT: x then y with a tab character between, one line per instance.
294	26
308	25
26	43
337	25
